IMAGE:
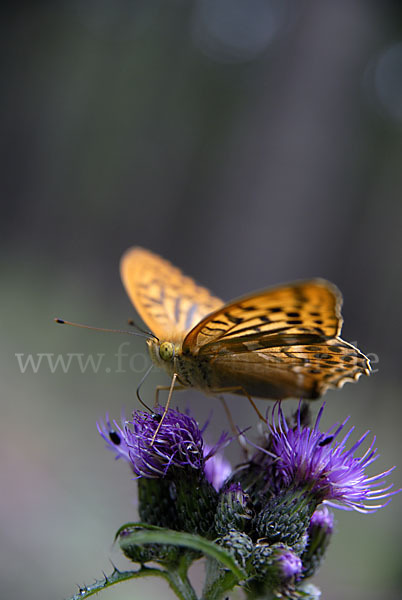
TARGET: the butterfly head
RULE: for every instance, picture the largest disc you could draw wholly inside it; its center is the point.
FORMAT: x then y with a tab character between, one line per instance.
163	353
166	351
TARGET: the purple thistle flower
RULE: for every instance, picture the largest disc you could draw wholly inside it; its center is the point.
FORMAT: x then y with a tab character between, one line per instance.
309	459
319	536
290	564
279	567
179	442
323	519
115	437
217	468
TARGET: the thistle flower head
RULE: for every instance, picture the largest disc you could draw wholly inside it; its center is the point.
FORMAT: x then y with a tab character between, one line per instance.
178	443
309	459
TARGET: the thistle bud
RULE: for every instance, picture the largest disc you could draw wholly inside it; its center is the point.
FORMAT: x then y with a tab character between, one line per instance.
277	569
285	518
239	545
319	535
234	510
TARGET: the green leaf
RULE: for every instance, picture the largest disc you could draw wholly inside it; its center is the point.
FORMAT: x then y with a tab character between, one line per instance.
116	577
152	534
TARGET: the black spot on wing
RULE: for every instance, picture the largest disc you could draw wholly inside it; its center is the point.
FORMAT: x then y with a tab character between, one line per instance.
232	319
243	331
212	329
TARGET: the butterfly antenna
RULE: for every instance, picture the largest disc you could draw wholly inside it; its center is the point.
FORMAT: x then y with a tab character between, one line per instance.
132	323
147	372
139	333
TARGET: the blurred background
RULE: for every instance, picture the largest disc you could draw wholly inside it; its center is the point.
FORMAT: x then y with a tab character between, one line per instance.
250	142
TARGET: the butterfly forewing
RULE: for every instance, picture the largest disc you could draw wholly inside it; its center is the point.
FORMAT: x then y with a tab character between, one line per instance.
167	301
303	312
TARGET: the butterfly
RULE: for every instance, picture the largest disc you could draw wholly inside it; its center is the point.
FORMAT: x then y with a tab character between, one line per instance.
276	343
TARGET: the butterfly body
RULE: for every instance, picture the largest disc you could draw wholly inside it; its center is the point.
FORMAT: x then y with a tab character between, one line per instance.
190	371
276	343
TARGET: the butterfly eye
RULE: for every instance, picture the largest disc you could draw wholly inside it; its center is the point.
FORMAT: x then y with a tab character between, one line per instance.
166	350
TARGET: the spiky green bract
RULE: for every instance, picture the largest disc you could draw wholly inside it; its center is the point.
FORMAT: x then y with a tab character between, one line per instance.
183	500
285	517
319	536
219	580
195	500
239	545
299	547
234	510
277	569
155	505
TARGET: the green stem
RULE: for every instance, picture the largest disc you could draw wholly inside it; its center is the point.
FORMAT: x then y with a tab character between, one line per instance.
180	584
219	587
218	581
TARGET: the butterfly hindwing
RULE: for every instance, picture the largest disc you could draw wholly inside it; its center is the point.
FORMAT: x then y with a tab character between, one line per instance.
301	371
167	301
279	342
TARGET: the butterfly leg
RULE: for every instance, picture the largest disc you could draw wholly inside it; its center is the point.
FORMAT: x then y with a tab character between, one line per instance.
171	388
164	388
236	390
235	430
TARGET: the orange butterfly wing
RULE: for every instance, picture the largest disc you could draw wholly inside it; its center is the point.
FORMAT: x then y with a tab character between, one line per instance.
297	371
167	301
278	343
307	308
